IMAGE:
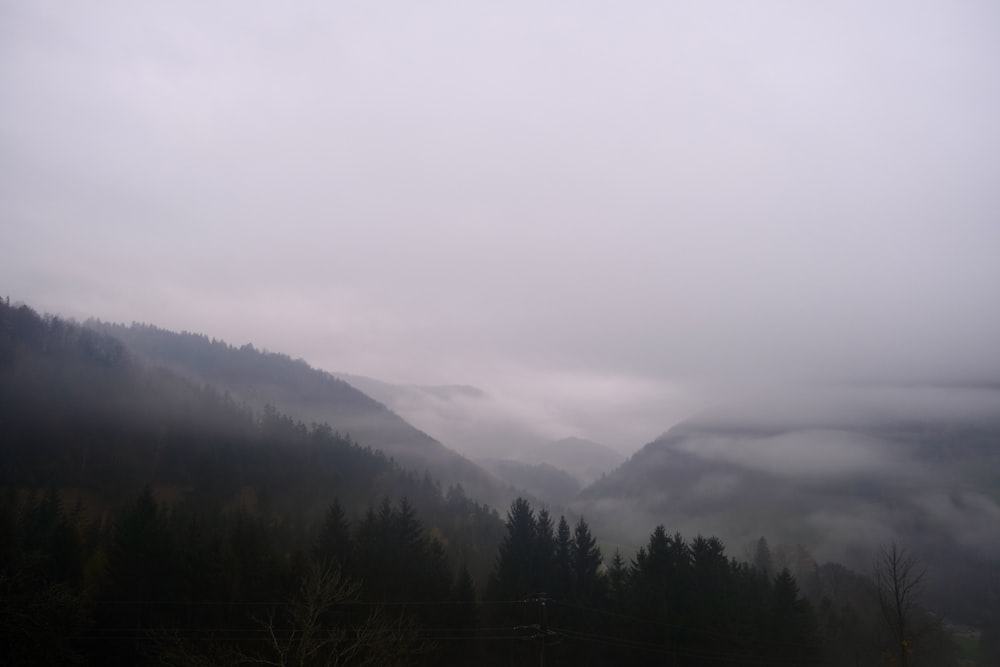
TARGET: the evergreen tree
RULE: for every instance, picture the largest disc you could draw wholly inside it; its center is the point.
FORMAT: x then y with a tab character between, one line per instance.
41	607
790	629
201	570
562	583
463	619
334	541
587	577
513	577
141	555
618	580
709	567
543	566
762	560
142	576
396	560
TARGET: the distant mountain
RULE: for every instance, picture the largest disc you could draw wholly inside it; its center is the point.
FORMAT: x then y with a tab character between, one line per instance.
585	460
548	484
740	480
392	394
840	488
465	418
262	378
81	415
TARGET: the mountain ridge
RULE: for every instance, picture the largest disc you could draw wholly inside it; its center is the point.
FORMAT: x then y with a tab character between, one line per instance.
841	488
584	459
307	394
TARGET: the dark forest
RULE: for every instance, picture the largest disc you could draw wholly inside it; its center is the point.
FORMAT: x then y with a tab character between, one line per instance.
149	519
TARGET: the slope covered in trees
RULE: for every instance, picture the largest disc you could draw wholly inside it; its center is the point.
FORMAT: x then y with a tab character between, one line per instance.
189	585
841	488
147	520
676	602
260	378
585	459
79	413
543	481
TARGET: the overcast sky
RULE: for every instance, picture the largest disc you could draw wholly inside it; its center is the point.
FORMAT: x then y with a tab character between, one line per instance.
579	206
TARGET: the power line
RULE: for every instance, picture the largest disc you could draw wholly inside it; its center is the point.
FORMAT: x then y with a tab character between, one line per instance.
655	622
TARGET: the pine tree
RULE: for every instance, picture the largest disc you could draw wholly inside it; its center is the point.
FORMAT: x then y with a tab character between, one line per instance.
791	631
762	560
543	568
562	583
141	576
512	576
587	578
618	580
334	541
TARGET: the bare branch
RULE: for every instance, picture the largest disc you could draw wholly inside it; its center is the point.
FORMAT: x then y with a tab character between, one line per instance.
897	584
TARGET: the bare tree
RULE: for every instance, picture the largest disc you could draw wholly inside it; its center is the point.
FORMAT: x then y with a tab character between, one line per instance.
323	624
898	579
316	635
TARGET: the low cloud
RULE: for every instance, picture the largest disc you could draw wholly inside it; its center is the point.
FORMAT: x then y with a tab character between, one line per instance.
717	486
803	453
608	224
971	517
837	533
520	408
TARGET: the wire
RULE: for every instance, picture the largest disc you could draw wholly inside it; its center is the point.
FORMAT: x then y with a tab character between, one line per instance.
648	647
664	624
345	603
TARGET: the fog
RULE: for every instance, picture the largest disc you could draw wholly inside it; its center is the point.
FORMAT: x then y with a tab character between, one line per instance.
838	470
606	218
802	454
525	408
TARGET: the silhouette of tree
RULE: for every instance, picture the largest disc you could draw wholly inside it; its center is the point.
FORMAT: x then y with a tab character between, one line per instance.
334	542
562	581
898	578
617	580
544	554
513	575
762	560
790	629
588	581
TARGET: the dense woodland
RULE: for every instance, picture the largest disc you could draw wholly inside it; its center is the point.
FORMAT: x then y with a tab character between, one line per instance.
262	380
145	519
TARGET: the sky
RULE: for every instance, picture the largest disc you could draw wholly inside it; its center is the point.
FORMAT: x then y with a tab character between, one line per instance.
605	215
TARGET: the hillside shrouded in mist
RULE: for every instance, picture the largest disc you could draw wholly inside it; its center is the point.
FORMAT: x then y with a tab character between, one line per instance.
601	216
88	420
725	268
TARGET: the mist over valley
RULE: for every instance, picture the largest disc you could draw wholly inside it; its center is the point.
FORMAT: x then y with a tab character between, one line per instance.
424	334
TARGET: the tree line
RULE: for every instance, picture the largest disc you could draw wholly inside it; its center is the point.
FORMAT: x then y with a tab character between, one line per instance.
675	602
148	520
179	584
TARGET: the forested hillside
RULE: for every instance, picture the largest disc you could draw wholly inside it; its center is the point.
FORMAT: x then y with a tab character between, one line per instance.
586	460
840	487
544	481
147	520
80	415
260	378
